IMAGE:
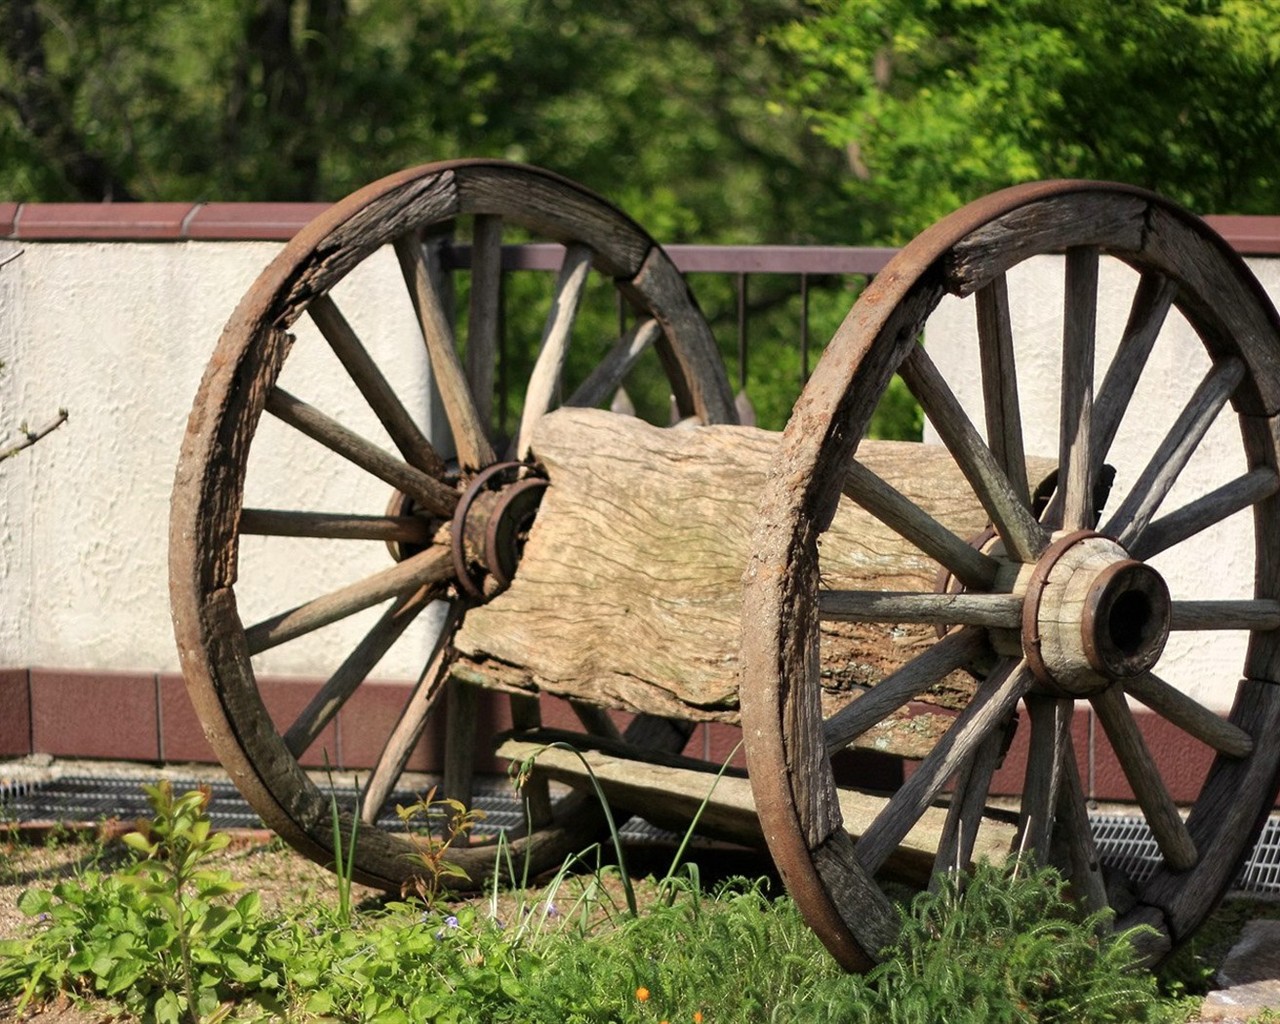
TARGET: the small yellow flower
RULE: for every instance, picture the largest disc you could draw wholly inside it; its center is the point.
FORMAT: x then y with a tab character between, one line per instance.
697	1017
642	994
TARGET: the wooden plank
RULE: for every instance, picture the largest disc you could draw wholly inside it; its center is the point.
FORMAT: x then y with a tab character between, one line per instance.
670	794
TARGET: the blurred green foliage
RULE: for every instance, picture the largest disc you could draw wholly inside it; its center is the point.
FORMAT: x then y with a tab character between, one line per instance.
715	121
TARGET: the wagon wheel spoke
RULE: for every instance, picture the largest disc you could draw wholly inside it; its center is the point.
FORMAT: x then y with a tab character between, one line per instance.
384	402
469	434
1140	769
1151	303
433	566
544	382
1002	610
353	671
272	522
605	380
1000	384
1190	715
913	523
1075	454
1046	764
994	701
1075	833
1173	453
1232	497
408	729
968	805
433	496
484	316
1260	613
1024	536
954	651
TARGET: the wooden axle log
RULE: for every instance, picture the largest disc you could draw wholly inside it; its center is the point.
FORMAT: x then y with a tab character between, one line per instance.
629	589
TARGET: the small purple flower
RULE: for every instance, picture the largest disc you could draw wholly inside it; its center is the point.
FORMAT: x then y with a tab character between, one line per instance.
450	923
552	910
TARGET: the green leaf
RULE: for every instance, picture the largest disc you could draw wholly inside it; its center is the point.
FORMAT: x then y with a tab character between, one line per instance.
33	902
168	1008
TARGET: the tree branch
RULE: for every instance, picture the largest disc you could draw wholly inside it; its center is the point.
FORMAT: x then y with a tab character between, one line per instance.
30	437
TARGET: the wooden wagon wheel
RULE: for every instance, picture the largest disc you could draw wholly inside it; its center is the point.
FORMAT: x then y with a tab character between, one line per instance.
453	530
1055	606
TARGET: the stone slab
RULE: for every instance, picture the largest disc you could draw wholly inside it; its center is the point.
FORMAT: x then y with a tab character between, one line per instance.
1249	977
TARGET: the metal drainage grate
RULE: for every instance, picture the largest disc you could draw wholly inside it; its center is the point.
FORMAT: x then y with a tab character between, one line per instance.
1124	842
87	798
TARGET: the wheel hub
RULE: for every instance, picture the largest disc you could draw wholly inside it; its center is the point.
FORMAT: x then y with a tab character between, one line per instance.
491	524
1092	615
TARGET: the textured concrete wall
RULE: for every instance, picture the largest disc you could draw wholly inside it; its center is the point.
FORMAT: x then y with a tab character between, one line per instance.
119	334
1216	564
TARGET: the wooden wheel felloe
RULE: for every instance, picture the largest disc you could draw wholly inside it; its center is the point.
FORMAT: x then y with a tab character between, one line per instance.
433	523
1073	603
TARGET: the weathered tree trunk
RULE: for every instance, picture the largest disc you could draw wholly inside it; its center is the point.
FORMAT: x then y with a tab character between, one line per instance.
629	591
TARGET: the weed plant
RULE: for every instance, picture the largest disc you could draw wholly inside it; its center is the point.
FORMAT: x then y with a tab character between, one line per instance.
169	941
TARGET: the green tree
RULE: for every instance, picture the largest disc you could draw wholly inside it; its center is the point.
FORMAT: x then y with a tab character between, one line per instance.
936	103
663	107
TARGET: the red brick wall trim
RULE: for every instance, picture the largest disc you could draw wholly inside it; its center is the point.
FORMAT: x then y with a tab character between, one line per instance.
155	222
147	717
277	222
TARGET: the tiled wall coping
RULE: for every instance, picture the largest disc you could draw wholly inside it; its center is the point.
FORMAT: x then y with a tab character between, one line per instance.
179	222
155	222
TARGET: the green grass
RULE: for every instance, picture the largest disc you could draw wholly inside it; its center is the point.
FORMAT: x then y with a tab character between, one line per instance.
999	947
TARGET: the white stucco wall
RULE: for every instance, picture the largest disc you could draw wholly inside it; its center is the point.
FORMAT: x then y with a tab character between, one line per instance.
119	334
1216	564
